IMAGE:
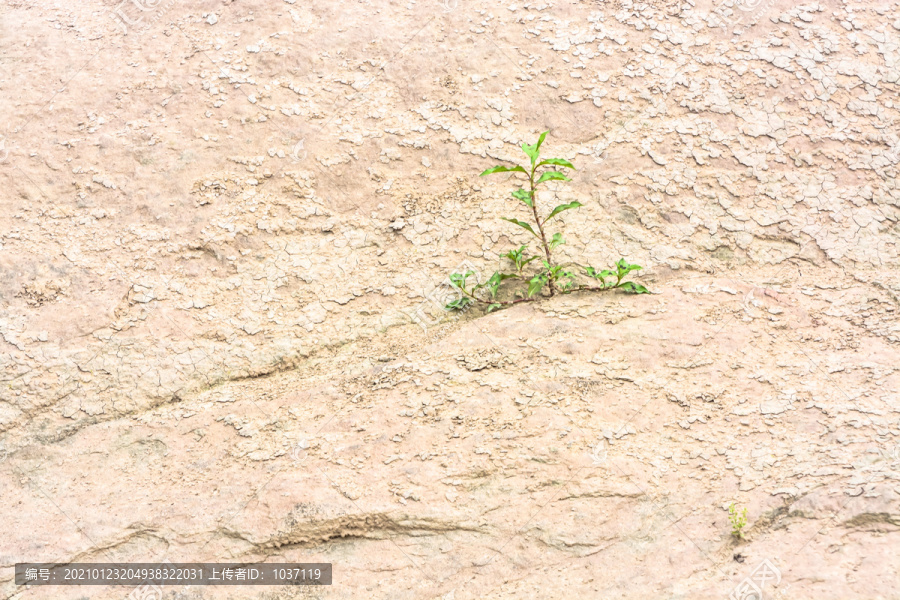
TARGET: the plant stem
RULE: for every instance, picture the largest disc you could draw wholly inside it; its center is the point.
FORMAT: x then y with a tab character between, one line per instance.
540	226
581	288
506	302
503	302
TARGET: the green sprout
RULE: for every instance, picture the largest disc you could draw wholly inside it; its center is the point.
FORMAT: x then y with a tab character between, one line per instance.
549	277
738	520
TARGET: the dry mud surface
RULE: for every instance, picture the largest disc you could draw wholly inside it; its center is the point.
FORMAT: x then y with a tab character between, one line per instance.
224	228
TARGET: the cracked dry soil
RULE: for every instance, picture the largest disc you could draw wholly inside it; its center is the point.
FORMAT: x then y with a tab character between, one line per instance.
218	218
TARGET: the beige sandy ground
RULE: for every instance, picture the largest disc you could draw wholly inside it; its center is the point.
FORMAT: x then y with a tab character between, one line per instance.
224	229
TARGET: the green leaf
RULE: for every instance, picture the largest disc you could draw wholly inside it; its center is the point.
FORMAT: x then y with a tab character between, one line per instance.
570	283
557	240
459	279
551	176
458	304
522	224
624	268
493	307
524	196
534	286
540	141
516	251
600	275
562	207
633	288
557	273
515	255
531	151
560	162
493	284
535	150
502	169
607	273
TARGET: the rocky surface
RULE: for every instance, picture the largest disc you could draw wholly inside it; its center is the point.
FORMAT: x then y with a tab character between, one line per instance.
225	228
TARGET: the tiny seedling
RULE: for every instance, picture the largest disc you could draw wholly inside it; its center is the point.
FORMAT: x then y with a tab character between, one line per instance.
738	520
538	274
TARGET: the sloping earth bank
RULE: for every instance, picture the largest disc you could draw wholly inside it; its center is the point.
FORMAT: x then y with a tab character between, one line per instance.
215	229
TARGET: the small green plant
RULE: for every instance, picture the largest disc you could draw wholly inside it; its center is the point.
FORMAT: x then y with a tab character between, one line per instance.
549	276
738	520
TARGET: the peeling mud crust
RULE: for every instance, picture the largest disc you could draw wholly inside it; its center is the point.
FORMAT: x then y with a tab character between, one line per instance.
224	236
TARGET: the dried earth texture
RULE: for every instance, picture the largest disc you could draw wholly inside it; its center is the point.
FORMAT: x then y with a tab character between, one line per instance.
224	230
